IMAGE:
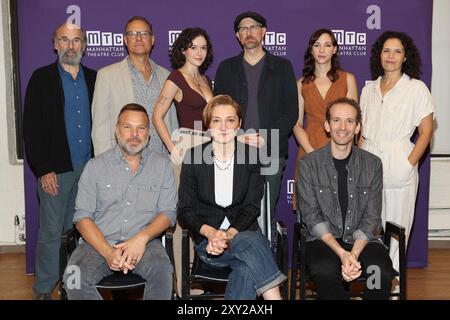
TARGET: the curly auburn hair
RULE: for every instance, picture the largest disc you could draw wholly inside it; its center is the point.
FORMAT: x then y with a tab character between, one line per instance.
411	66
310	63
183	42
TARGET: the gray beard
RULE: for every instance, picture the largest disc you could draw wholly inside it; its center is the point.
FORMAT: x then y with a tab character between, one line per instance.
131	151
71	61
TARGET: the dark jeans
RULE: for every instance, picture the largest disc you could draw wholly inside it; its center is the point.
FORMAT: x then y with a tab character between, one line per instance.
254	270
325	269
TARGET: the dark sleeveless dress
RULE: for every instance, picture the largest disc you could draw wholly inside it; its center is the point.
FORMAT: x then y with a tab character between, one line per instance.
191	106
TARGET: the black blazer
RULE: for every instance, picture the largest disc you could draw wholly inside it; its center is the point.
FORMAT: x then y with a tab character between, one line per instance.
196	195
277	94
44	127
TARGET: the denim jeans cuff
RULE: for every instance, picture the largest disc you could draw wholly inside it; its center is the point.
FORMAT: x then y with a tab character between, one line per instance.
274	281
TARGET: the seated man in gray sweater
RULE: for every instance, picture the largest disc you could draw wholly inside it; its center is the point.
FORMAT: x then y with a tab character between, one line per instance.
126	199
339	199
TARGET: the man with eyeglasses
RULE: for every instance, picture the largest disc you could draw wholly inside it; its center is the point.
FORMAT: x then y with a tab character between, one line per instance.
265	87
57	134
135	79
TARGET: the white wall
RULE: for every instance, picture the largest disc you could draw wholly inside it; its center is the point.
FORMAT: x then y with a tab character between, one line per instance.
441	75
439	222
11	176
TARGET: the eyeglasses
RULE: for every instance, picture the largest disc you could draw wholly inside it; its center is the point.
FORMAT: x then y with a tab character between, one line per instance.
75	41
252	28
142	34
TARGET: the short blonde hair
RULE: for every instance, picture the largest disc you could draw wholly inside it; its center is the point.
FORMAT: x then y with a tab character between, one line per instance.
220	100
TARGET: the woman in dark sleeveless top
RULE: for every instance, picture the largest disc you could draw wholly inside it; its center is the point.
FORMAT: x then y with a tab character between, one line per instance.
187	87
190	90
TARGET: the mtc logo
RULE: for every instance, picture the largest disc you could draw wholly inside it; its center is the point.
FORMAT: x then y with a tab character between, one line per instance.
173	35
350	37
98	38
275	39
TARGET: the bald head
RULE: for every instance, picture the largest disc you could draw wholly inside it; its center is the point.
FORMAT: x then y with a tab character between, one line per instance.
69	27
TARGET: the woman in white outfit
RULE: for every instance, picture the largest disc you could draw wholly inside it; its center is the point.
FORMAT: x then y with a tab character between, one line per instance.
393	106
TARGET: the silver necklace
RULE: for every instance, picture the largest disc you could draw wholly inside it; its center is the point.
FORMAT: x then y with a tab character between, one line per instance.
225	163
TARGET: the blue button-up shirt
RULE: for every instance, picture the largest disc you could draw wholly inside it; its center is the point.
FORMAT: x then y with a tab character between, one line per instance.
77	116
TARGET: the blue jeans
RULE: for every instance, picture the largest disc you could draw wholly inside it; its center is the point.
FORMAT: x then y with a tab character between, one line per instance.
254	270
155	267
55	216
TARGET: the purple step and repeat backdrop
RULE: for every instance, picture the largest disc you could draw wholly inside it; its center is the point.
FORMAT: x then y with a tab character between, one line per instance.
356	23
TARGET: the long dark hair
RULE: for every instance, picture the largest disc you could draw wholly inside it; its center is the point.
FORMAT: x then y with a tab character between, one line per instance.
310	64
411	66
183	42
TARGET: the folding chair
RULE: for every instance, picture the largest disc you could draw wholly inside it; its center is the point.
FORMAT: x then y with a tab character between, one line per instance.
213	280
307	288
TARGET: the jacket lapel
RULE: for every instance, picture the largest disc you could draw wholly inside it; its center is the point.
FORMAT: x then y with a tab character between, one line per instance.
126	83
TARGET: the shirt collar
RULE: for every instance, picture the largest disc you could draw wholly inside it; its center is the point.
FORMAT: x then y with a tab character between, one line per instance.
64	74
353	161
133	68
398	86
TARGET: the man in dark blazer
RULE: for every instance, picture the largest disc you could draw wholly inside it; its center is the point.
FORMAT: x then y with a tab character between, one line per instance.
265	87
57	134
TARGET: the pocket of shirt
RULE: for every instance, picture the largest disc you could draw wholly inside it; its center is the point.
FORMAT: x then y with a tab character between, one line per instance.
108	195
147	198
324	197
362	198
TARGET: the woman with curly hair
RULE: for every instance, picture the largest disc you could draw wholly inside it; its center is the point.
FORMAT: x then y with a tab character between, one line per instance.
323	81
393	106
188	87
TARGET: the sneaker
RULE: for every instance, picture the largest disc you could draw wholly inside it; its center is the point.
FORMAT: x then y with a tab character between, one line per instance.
42	296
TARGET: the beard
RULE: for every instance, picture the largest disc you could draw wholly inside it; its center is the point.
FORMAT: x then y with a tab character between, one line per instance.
72	60
250	43
132	150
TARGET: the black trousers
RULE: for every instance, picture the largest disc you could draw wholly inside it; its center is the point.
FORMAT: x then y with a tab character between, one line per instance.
324	267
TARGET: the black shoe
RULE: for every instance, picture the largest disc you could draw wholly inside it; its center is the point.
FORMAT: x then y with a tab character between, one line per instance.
42	296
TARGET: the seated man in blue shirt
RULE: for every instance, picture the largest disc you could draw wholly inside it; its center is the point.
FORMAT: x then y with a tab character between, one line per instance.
126	199
339	198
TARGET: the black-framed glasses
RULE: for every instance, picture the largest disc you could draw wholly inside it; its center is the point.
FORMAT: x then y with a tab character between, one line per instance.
142	34
251	28
75	41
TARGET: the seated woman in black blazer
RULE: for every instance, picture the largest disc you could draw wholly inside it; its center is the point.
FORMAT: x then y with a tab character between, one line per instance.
219	201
